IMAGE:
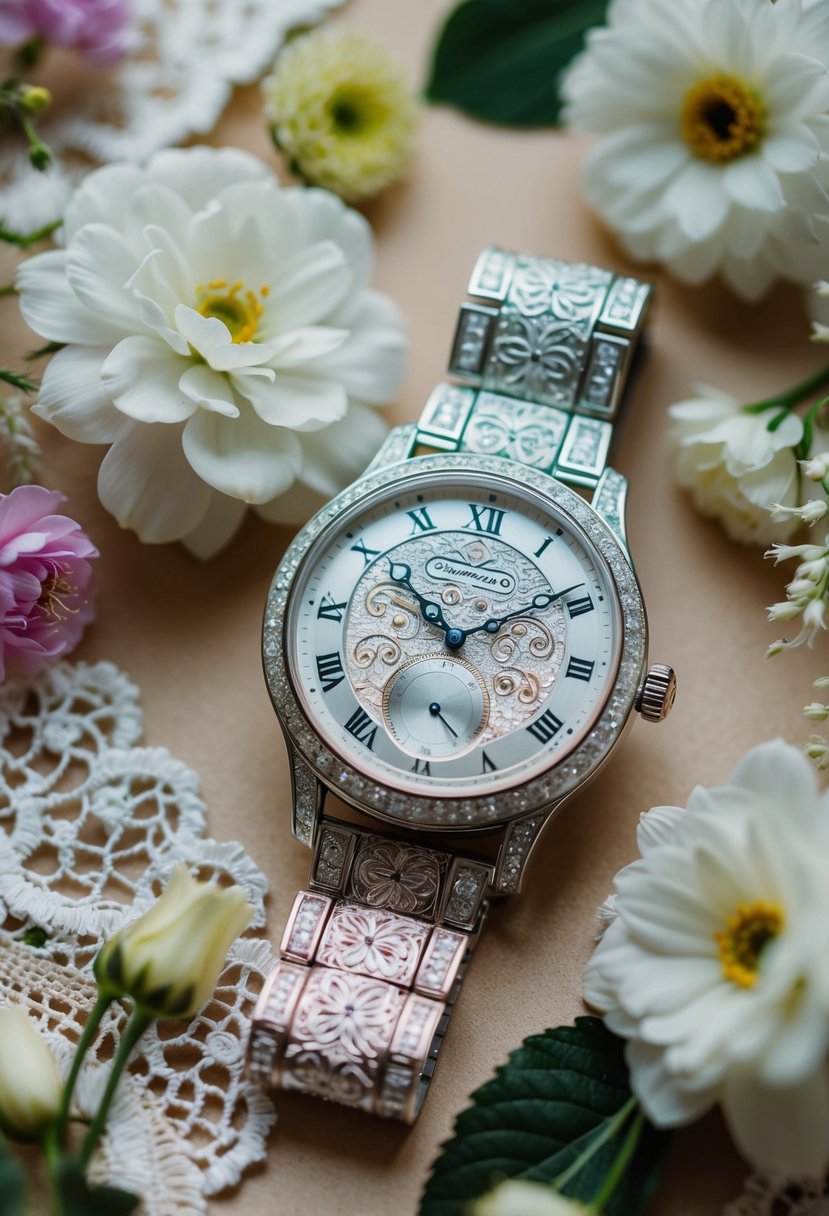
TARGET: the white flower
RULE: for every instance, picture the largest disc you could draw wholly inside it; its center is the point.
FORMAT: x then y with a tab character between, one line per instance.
170	959
30	1086
714	140
734	466
805	594
517	1198
817	467
716	969
221	337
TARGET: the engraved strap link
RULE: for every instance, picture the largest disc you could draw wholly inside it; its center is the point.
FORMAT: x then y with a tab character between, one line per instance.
370	965
547	348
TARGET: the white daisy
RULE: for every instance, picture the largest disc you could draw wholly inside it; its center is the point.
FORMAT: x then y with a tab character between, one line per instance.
221	336
716	969
714	148
734	466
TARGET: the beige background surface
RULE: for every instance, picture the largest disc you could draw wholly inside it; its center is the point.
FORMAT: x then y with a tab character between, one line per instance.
190	634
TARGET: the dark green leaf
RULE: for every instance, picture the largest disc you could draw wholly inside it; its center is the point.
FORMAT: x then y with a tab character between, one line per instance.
12	1182
80	1198
562	1096
501	60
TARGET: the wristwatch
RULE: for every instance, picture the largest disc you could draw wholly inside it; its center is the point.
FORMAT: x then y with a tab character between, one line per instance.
453	647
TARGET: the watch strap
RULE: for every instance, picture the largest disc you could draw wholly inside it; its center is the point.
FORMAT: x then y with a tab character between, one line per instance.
546	348
371	961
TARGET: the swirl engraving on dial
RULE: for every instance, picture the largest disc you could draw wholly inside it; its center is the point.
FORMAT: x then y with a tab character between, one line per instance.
385	628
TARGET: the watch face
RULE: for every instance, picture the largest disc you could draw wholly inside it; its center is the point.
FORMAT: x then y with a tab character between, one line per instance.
451	636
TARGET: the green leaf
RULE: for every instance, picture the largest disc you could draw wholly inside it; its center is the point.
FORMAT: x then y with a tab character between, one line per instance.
13	1185
79	1197
559	1111
501	60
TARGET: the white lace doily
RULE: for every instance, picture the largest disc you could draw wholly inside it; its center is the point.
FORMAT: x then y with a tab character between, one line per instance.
187	57
90	828
771	1196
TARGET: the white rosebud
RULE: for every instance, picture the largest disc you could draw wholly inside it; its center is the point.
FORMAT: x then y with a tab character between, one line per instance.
816	467
516	1198
30	1086
816	711
170	959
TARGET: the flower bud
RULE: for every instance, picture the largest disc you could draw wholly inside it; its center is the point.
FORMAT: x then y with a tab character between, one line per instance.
518	1198
785	610
30	1086
40	157
814	510
34	99
818	749
169	960
821	682
816	711
817	467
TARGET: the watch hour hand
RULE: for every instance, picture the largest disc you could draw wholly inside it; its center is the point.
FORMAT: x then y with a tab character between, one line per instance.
539	602
429	610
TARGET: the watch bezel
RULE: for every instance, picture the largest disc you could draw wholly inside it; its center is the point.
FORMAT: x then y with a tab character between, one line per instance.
486	810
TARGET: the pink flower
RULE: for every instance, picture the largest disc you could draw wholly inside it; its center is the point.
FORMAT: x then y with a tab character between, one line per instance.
97	29
46	591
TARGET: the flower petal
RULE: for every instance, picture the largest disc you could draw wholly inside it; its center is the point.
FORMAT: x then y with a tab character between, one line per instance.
146	482
199	174
51	308
311	285
74	399
780	1130
217	529
99	264
754	184
372	363
209	389
300	401
142	376
242	457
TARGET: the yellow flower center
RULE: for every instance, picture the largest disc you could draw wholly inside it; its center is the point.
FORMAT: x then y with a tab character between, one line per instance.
54	592
356	110
722	118
744	939
239	308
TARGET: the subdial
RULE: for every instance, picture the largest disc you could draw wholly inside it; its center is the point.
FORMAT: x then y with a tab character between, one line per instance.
436	706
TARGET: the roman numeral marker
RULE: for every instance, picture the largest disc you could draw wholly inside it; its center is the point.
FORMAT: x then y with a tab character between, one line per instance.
486	764
421	521
545	727
580	606
368	554
423	767
545	544
486	519
329	611
579	669
330	670
362	728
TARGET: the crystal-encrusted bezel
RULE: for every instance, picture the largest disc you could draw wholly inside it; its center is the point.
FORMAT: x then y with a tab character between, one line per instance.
485	810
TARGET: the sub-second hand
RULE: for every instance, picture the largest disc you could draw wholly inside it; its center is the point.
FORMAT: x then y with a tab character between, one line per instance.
435	711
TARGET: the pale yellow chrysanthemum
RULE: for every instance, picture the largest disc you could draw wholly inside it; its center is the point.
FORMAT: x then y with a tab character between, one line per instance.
341	111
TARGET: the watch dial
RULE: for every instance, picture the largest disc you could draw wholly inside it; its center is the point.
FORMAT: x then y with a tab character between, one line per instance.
453	635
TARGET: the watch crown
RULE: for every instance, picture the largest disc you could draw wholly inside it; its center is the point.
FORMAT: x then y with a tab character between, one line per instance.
656	696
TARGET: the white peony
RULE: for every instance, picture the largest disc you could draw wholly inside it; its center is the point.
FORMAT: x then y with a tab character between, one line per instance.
714	139
716	969
221	336
734	466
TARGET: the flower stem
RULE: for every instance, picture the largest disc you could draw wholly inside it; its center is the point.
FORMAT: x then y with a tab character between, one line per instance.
51	1151
799	392
89	1031
136	1026
25	239
623	1159
17	380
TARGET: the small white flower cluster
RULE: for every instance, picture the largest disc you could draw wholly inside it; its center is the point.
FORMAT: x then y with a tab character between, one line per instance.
805	594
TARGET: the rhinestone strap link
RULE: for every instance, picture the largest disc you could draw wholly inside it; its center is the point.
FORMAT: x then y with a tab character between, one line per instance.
547	348
370	965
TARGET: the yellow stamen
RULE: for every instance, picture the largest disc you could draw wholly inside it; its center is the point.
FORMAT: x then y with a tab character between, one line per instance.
722	118
264	291
54	591
741	944
237	308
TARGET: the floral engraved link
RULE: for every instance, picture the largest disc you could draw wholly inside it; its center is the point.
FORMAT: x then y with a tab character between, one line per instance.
396	876
373	943
346	1015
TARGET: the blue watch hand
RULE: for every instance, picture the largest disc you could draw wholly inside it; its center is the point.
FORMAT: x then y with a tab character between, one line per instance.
539	602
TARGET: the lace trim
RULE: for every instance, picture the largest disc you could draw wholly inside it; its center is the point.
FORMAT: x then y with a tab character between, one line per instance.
90	828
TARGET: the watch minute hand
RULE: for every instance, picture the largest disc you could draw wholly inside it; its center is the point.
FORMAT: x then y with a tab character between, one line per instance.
539	602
